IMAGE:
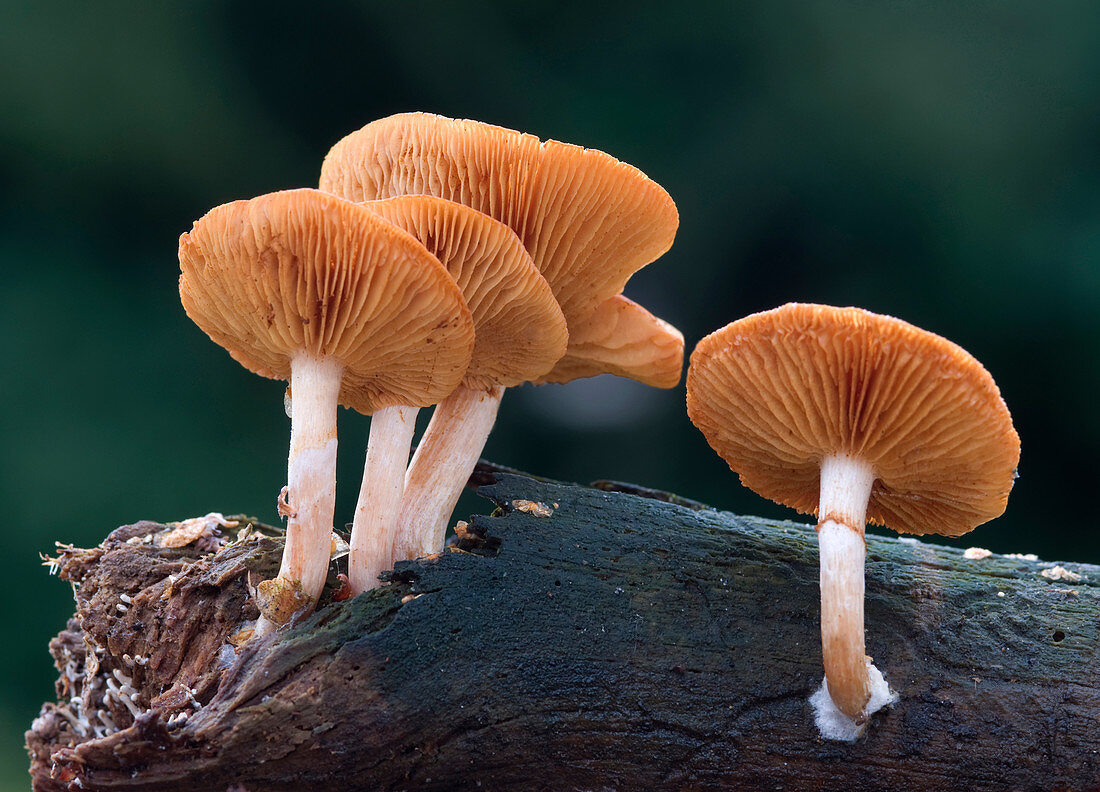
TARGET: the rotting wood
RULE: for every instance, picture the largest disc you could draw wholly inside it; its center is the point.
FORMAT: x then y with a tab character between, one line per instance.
621	642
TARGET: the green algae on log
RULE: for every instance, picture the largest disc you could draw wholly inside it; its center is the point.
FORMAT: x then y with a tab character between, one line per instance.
587	639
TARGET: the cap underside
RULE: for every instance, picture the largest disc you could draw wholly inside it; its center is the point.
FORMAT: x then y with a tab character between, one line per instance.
621	337
520	332
776	392
303	272
588	220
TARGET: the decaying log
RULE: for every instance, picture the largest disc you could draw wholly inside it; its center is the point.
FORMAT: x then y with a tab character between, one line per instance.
576	639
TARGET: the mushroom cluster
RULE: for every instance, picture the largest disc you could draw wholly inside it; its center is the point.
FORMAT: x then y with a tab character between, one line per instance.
588	221
305	287
854	416
440	262
519	333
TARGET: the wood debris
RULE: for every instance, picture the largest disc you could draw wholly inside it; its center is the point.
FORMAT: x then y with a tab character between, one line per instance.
1060	573
533	508
196	528
283	504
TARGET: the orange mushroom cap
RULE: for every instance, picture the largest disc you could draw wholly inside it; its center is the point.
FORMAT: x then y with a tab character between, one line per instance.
621	337
588	220
304	271
520	332
776	392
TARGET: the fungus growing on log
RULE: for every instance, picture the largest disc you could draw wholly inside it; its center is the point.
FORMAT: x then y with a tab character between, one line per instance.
676	653
852	416
589	223
519	333
306	287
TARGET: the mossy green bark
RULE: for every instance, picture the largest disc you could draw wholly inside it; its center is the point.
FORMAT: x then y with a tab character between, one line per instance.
624	642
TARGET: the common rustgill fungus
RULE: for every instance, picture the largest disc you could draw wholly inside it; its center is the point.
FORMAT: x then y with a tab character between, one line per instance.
306	287
520	333
589	223
852	416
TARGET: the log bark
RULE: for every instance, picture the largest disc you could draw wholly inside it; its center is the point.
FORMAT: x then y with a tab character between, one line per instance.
578	638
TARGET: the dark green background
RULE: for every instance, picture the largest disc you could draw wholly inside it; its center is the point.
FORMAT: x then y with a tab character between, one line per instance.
935	161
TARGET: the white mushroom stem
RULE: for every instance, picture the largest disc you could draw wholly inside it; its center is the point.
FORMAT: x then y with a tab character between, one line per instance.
440	468
842	514
311	474
372	533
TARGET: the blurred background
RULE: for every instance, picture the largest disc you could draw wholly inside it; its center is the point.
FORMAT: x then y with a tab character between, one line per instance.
938	161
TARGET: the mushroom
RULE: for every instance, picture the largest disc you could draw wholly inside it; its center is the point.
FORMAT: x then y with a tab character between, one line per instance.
854	416
519	331
303	286
588	221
